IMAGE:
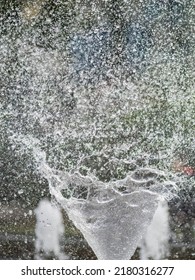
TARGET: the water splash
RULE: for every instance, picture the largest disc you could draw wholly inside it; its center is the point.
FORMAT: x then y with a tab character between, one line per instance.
49	231
105	115
106	212
155	244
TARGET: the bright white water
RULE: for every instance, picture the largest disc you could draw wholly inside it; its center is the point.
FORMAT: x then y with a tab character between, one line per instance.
155	244
49	231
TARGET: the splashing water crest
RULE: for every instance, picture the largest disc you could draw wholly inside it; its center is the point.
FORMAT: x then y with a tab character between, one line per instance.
106	212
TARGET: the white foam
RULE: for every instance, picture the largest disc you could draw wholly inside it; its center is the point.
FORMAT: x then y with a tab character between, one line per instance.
49	230
156	241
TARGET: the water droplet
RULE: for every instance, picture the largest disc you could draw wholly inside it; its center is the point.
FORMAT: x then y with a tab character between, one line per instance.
20	191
